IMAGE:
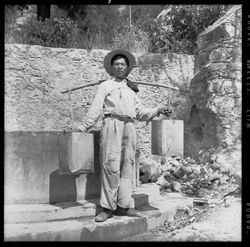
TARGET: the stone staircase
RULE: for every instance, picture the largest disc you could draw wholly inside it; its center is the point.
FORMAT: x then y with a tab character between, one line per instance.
74	221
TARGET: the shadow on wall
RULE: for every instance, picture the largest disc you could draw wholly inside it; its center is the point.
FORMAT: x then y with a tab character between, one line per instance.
196	124
193	134
201	132
64	187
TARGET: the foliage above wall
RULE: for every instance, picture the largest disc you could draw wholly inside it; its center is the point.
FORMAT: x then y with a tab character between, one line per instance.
110	26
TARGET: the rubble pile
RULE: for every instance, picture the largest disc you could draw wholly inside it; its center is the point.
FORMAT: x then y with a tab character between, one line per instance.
196	178
184	217
206	180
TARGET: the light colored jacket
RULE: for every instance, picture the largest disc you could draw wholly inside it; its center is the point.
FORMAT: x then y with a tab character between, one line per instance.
116	97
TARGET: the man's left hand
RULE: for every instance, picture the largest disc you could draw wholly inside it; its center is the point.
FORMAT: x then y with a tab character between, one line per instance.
164	110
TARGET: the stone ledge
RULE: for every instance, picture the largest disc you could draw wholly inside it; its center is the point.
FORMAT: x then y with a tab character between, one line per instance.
143	195
85	229
28	213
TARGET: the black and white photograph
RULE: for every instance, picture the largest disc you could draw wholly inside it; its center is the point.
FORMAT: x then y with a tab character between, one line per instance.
123	123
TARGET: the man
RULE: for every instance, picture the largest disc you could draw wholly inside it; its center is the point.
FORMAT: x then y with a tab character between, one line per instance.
116	101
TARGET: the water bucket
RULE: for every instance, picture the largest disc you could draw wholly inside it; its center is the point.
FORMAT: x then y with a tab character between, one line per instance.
167	137
76	152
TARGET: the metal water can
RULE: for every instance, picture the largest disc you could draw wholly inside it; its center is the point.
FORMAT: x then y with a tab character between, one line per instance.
76	152
167	137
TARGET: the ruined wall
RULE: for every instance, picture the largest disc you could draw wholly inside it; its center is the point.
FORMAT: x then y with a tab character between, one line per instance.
215	91
35	76
210	108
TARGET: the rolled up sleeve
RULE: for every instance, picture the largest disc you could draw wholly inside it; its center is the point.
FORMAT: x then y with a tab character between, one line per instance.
95	110
143	113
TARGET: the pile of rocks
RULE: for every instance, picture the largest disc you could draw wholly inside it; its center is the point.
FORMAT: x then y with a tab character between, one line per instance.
204	180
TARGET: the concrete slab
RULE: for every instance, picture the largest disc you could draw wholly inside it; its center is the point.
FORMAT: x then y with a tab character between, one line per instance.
143	195
31	169
85	229
28	213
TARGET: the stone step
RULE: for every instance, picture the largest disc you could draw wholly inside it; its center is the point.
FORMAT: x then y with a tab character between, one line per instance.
24	213
143	195
86	229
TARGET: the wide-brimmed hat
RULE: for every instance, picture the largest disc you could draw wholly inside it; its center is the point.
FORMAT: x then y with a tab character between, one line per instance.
110	55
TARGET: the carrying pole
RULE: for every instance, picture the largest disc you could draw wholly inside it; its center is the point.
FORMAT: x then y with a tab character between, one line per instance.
136	82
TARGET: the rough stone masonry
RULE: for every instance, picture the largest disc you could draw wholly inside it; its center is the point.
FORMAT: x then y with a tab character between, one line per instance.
211	108
215	92
36	75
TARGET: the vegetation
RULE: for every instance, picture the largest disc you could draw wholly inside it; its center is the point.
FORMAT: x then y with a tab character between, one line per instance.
179	29
107	26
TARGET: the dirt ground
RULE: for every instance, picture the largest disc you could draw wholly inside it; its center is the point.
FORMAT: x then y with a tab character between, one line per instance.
221	223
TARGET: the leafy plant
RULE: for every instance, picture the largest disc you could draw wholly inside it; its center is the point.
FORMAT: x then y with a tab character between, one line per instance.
55	32
134	40
178	30
10	16
107	27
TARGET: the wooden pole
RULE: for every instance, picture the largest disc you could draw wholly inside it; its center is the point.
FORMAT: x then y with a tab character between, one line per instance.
77	88
136	82
129	18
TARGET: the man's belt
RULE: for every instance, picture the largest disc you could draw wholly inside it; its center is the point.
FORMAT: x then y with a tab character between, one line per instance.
123	118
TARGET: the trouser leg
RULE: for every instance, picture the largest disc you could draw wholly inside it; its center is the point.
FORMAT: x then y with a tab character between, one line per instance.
111	142
127	166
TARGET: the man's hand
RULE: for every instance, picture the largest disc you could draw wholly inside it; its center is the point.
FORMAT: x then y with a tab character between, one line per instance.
77	128
164	110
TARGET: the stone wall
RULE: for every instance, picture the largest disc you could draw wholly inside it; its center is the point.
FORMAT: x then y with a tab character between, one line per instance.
35	76
210	108
215	91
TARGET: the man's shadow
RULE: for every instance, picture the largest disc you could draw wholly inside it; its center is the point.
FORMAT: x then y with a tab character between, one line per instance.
93	180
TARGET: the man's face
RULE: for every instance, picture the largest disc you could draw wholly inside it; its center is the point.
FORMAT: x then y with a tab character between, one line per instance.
119	68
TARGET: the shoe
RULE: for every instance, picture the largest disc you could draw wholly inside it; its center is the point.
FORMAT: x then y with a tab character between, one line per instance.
104	215
126	212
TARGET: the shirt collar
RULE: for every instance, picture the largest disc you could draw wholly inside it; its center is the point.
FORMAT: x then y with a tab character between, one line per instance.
115	79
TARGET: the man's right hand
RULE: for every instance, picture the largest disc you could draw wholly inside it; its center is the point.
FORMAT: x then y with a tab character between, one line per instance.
77	128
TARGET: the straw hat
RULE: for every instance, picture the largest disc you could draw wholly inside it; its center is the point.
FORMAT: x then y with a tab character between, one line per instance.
110	55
